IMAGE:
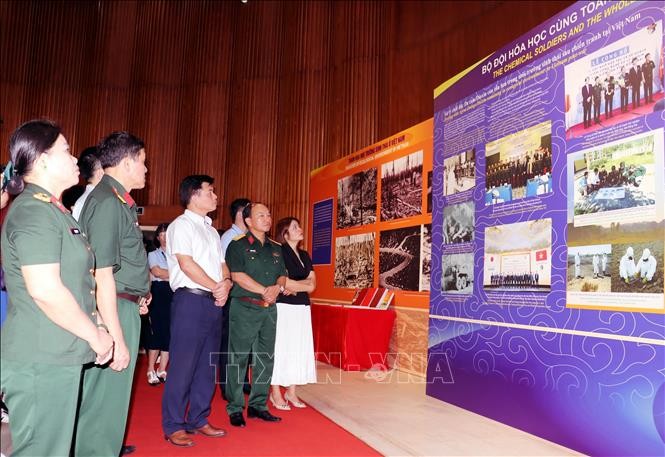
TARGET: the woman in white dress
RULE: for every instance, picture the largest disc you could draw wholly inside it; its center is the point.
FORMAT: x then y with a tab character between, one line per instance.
294	344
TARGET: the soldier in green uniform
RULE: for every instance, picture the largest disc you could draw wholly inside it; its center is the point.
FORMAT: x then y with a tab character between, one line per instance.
51	329
259	275
109	219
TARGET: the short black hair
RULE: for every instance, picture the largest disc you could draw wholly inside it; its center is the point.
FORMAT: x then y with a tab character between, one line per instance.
118	145
237	205
160	228
190	185
88	162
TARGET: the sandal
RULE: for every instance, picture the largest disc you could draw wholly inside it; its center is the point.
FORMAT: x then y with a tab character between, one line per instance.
294	402
281	407
161	375
153	380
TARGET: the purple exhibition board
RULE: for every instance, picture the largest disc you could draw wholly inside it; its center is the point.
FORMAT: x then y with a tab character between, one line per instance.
547	309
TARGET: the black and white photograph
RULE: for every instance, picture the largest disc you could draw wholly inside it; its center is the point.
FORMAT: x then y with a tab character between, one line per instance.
402	187
518	257
356	199
425	257
458	223
457	277
589	268
354	261
459	172
519	165
429	191
399	258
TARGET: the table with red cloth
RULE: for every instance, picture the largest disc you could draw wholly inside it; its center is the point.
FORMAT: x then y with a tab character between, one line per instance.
351	338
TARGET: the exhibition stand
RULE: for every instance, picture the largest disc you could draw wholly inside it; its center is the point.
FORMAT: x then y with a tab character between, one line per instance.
353	339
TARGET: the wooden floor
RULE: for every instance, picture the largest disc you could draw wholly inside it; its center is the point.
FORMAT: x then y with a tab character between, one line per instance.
391	413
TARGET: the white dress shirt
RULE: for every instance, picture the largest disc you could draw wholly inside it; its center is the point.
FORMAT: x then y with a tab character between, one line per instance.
228	236
193	235
78	206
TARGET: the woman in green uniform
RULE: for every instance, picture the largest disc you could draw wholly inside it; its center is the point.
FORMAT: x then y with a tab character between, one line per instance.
51	329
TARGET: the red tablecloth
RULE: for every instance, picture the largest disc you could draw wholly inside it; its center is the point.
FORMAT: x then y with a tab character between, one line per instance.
351	338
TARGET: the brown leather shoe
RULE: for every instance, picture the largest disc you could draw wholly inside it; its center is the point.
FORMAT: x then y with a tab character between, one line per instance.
209	430
179	438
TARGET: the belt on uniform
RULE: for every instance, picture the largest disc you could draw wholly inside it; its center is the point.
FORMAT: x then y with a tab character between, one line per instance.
201	292
130	297
262	303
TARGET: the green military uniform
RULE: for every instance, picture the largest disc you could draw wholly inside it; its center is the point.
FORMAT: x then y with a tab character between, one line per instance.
251	326
109	219
41	361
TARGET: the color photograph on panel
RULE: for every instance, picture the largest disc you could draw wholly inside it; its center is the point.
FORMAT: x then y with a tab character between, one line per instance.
518	256
519	165
402	187
616	83
356	199
399	258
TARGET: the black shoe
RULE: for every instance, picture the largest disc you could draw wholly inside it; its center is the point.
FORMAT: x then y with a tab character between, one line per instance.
262	414
237	420
127	449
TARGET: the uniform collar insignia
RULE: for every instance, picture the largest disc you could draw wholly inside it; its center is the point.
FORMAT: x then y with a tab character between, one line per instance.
125	198
250	238
59	204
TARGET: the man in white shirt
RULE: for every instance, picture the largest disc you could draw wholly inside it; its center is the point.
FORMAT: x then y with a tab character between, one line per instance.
92	171
201	283
237	228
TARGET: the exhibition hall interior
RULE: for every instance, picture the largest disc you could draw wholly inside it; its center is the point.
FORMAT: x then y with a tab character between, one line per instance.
332	228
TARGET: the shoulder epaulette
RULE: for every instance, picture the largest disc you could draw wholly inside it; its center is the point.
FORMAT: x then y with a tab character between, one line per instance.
42	197
239	237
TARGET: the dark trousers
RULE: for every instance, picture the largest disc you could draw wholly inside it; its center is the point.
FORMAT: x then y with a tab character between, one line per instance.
586	106
648	91
636	96
609	102
624	99
196	330
596	111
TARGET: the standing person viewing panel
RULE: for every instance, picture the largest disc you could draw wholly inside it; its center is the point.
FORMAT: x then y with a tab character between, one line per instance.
237	228
259	275
201	283
51	330
160	309
110	220
92	171
294	343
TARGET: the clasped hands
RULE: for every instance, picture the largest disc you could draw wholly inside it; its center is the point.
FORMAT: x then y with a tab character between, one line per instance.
221	292
270	293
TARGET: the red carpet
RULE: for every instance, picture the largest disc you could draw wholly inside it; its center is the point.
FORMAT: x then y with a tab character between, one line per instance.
301	431
578	130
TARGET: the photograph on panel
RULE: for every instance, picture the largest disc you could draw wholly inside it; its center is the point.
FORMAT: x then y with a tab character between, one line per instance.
399	258
458	223
459	172
589	268
356	199
519	165
518	257
425	257
638	267
616	83
402	187
354	261
616	181
457	273
429	191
